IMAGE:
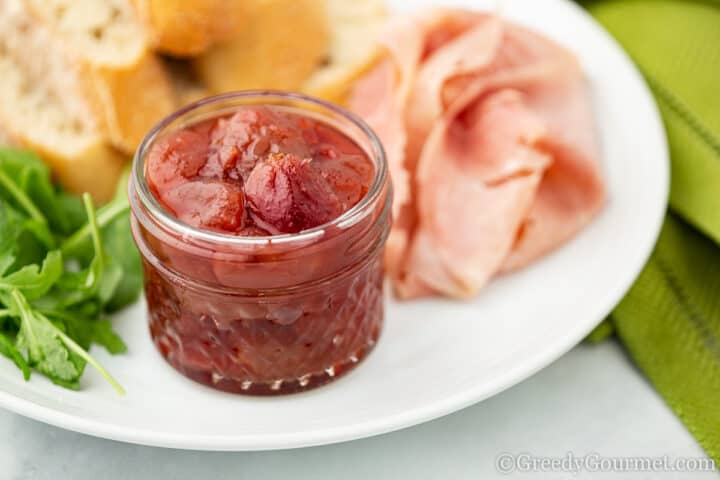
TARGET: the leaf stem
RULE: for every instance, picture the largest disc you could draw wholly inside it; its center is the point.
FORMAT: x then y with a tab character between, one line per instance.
8	349
93	224
21	198
22	306
5	312
69	343
105	215
26	312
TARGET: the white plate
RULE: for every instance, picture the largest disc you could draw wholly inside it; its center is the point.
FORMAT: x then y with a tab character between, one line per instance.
434	357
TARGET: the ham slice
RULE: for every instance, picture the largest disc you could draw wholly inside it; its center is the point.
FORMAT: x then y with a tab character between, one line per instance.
469	206
381	98
491	145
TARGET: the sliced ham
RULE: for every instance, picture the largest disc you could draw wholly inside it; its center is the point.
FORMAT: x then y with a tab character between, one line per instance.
469	207
491	146
381	98
470	45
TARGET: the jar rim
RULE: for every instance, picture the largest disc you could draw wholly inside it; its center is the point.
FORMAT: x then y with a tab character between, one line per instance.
139	189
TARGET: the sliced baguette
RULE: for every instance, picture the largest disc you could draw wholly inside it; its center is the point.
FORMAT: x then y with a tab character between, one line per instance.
282	44
34	117
188	27
353	26
122	86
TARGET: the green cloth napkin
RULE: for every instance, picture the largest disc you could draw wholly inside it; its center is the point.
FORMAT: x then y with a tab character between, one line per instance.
669	321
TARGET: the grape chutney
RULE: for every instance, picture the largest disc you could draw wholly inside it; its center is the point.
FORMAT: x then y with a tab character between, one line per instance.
261	218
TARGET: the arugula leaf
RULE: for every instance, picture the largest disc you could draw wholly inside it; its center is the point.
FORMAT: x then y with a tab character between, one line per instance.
33	281
23	239
9	232
104	273
72	211
32	177
40	232
113	222
102	276
87	331
50	350
52	301
103	334
45	350
27	185
6	261
39	188
16	161
20	197
85	356
121	249
107	214
120	246
10	227
8	349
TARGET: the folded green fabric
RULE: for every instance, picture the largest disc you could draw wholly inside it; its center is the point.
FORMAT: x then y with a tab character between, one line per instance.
676	45
670	324
670	320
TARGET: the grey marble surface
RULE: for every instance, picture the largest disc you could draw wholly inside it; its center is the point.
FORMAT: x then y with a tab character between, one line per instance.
592	400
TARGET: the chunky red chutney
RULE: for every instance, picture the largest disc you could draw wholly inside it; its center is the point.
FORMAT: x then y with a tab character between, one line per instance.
260	315
261	171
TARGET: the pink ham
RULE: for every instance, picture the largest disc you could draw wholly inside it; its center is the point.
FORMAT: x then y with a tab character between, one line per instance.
469	207
381	98
491	130
471	43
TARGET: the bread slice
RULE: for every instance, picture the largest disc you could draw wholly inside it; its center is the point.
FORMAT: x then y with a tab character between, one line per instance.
188	27
121	85
33	116
279	48
47	117
353	26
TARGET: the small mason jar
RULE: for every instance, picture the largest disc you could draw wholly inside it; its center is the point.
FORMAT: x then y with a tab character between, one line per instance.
264	315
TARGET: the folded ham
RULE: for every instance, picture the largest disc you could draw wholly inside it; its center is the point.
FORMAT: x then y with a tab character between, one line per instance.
491	147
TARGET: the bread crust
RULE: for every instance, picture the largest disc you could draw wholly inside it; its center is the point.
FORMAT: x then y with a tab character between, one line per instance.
79	158
49	117
188	27
283	43
353	25
124	100
128	101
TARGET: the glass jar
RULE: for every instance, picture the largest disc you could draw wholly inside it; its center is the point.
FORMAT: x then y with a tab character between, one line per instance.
264	315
